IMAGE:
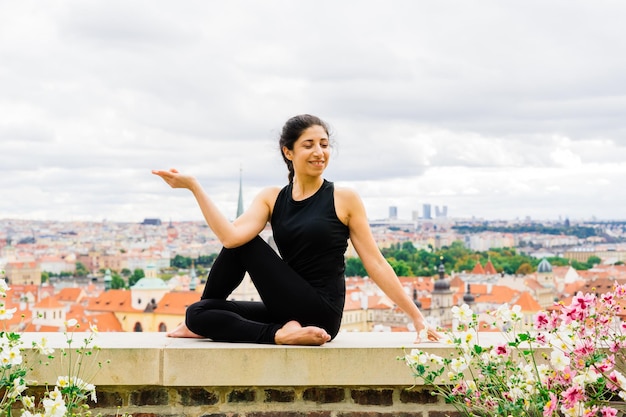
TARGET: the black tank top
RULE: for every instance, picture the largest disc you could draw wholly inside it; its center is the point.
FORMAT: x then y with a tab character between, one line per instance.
313	241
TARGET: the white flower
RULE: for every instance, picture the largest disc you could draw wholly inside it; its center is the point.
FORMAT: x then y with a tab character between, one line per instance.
93	328
559	360
6	314
54	405
471	385
42	347
55	395
416	356
463	314
577	410
544	372
4	287
63	381
11	356
588	376
29	402
435	359
92	390
516	313
468	339
19	386
71	323
458	365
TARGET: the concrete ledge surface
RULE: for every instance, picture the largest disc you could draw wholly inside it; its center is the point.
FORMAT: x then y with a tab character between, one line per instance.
352	359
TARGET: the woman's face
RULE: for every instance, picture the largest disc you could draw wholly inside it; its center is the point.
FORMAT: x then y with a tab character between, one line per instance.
311	152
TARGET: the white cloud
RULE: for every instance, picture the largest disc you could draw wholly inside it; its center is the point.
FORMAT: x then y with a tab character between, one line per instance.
494	109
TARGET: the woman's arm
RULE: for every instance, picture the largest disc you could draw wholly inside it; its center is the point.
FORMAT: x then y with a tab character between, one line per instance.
352	210
230	234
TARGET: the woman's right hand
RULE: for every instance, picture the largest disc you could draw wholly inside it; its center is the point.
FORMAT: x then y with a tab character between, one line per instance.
175	179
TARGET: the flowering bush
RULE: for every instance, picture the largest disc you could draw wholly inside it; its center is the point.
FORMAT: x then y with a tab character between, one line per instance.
569	362
70	393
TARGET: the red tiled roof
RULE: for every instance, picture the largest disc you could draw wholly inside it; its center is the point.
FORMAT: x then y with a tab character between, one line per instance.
490	269
176	302
527	302
112	300
70	294
499	294
106	322
49	302
478	269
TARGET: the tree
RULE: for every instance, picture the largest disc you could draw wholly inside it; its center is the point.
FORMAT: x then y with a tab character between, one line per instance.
117	282
81	270
181	262
524	269
400	267
593	261
206	260
45	276
355	268
136	276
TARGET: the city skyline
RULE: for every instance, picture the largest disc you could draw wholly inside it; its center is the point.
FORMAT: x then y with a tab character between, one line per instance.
496	110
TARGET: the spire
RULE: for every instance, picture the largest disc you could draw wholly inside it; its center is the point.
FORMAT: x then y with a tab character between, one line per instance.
193	282
240	202
468	298
442	284
108	279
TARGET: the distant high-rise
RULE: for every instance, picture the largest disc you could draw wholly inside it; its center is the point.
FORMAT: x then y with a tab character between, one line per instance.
441	212
393	212
240	202
426	212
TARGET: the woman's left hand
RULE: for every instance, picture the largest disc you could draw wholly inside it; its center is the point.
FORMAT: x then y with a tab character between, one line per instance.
175	179
426	333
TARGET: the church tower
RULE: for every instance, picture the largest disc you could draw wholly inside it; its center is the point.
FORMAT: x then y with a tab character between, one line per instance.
240	201
442	298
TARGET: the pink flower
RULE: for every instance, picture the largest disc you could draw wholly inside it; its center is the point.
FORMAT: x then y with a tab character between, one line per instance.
502	350
573	395
541	339
608	412
565	376
606	365
613	382
541	320
616	345
584	348
459	389
620	290
551	405
608	299
579	309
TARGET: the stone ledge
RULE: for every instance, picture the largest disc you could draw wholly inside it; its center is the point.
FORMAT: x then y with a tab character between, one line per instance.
152	359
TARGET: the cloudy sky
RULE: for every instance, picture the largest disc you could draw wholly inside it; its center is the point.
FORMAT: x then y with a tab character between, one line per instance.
497	109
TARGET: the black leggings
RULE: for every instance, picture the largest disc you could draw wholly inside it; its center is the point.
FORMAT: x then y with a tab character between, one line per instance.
285	296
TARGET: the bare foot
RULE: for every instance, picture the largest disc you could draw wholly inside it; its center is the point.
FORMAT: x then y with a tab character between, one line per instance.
182	331
292	333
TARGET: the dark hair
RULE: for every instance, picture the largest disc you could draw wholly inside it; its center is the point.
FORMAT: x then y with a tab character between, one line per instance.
292	130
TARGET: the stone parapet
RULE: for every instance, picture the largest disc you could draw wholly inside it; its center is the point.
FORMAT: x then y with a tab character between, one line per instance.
150	375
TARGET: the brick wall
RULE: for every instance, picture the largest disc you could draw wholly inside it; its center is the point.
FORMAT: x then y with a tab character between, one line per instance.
270	402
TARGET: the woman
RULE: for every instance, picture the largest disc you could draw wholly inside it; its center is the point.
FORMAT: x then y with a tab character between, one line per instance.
303	290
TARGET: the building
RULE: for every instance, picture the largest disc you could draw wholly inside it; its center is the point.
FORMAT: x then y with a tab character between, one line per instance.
23	273
426	212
